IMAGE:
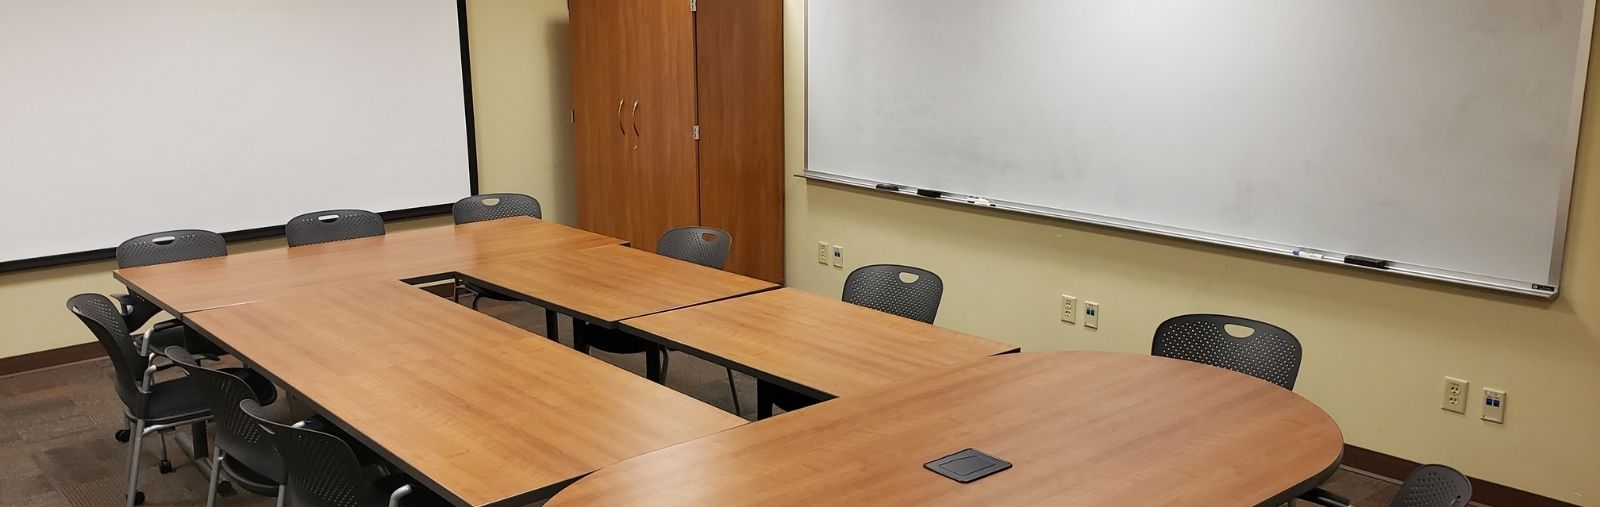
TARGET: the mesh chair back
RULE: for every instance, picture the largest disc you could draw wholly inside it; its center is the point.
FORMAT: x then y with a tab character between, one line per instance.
1268	352
322	470
170	246
479	208
1434	486
913	293
237	434
100	315
706	246
332	225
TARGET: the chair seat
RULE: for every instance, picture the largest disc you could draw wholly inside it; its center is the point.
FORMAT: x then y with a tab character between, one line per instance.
174	400
180	399
174	335
248	478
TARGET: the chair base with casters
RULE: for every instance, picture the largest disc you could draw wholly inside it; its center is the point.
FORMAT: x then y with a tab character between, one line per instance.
769	396
586	337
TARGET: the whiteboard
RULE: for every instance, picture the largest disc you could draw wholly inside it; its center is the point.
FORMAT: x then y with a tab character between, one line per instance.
1439	135
119	118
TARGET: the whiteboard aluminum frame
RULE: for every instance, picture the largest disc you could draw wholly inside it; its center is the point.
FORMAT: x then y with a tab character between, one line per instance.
1547	289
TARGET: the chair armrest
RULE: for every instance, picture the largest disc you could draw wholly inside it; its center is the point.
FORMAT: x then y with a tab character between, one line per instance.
400	492
1326	498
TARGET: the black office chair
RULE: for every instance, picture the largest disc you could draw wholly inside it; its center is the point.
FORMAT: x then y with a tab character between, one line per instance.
322	470
482	208
705	246
162	248
332	225
1427	486
906	291
151	407
1267	352
242	450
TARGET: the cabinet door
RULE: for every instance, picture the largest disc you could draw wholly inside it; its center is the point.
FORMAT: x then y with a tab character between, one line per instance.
663	190
740	58
602	141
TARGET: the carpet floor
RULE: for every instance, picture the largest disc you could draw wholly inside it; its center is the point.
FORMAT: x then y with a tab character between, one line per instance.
56	426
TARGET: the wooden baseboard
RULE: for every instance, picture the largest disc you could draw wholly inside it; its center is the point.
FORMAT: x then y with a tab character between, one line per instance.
47	358
1484	492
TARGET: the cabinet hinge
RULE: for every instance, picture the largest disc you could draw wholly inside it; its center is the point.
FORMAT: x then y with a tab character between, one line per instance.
697	132
694	5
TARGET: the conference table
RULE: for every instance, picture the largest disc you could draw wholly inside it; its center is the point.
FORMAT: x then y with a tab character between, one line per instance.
814	345
482	412
1079	428
488	414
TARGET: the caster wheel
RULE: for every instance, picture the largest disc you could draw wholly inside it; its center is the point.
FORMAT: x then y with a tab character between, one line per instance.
122	436
225	488
138	498
166	467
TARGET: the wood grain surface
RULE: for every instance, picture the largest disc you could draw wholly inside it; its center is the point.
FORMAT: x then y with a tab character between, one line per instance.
210	283
482	411
608	284
819	346
1081	428
740	60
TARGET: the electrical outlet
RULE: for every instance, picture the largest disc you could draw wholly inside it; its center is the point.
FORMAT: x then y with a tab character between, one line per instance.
1091	315
838	256
1069	309
822	252
1494	405
1455	395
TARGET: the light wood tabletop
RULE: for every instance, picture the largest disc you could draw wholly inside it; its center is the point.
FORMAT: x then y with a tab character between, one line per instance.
431	253
812	344
481	411
608	284
1080	428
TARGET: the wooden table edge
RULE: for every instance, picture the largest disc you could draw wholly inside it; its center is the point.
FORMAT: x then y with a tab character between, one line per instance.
1310	483
592	319
818	394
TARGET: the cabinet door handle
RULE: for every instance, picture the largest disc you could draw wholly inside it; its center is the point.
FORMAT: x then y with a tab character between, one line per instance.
621	128
635	118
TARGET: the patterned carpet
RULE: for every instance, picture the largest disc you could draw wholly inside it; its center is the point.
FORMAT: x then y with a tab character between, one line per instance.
56	426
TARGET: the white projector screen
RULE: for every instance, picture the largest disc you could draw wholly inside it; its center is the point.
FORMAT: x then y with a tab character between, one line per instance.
120	118
1437	135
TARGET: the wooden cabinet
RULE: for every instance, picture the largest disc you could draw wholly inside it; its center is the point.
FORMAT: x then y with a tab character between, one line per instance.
651	75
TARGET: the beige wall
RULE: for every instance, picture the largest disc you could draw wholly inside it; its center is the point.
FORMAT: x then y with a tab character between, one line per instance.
520	89
1376	347
522	92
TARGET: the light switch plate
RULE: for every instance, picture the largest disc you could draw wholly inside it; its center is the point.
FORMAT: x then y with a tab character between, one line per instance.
823	252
